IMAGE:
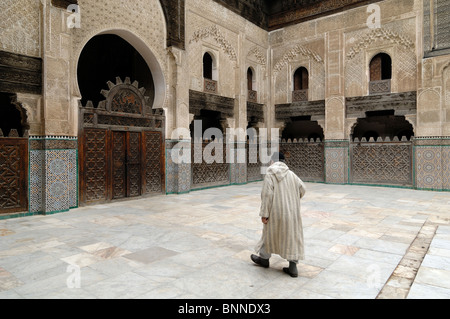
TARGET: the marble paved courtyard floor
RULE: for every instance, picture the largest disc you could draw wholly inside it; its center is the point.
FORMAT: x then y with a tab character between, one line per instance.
361	242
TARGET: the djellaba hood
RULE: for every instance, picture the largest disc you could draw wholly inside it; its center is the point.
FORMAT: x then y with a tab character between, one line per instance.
279	169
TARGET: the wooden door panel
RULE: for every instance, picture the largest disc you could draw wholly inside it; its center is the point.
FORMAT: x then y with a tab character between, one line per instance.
154	163
13	175
120	164
94	157
119	158
133	164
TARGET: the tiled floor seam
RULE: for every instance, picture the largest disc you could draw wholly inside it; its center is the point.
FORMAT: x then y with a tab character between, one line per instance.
401	280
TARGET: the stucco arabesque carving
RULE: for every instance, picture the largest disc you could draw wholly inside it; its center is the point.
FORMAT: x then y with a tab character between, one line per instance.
293	53
260	57
376	34
215	33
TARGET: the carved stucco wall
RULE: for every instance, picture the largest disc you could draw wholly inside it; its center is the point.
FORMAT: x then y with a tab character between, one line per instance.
20	25
235	45
143	18
139	22
433	102
338	50
446	85
257	60
210	26
287	59
395	39
213	39
20	33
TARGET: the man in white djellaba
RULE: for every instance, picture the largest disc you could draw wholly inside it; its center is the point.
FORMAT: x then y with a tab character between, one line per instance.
282	234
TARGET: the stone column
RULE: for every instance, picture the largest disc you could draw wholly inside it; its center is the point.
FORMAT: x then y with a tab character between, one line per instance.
431	143
178	172
53	155
178	143
237	143
336	144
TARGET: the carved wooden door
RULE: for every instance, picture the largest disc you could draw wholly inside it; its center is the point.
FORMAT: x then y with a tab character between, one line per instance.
94	165
13	175
119	165
126	164
153	163
133	164
121	146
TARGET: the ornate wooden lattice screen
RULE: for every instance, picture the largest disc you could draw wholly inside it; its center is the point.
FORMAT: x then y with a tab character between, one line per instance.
385	163
94	171
126	161
207	172
13	175
306	159
121	146
154	163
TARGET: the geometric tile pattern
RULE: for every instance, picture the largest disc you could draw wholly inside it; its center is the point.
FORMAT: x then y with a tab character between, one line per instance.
56	180
36	185
73	178
446	168
178	175
170	169
433	167
432	163
429	167
184	178
336	164
53	181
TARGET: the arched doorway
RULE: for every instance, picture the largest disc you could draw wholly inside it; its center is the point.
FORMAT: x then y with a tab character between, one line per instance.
382	124
381	150
303	145
121	134
209	151
106	57
13	156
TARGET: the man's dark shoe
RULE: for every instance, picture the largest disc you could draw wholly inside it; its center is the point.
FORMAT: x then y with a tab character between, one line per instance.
292	270
258	260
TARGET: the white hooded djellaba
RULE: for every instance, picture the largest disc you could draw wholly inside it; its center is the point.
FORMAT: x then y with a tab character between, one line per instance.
280	203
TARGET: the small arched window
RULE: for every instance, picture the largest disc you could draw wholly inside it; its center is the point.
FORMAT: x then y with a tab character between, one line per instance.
380	74
381	67
301	85
207	66
301	79
252	94
249	79
209	74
